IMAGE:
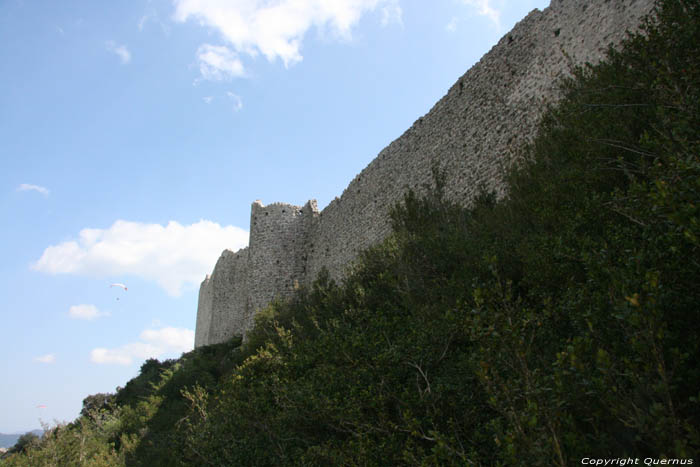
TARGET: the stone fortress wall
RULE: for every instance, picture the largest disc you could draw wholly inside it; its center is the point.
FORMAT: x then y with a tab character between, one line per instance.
473	133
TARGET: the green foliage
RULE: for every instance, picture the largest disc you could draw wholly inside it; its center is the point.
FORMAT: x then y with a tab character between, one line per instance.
86	441
149	424
96	402
137	425
556	324
136	388
25	442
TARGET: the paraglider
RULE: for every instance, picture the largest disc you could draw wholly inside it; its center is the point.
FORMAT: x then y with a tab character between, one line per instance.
41	406
117	284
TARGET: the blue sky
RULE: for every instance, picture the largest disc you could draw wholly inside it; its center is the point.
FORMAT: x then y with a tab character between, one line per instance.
135	135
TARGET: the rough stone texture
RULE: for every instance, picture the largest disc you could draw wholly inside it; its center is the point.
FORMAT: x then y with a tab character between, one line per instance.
223	299
472	133
277	251
204	309
272	266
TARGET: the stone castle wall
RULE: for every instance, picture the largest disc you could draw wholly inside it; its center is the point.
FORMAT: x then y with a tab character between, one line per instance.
277	251
224	299
473	133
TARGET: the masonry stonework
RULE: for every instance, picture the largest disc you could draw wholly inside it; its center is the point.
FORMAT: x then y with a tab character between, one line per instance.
279	238
473	133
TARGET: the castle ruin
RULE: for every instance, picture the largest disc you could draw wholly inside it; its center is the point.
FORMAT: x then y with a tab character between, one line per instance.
473	133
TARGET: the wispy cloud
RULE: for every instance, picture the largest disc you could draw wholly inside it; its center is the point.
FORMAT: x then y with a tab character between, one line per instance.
153	343
173	255
152	16
86	312
237	102
208	99
452	25
277	29
48	358
120	50
392	13
486	8
218	63
27	187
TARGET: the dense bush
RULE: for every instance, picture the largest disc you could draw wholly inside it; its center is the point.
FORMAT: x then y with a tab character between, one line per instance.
556	324
139	424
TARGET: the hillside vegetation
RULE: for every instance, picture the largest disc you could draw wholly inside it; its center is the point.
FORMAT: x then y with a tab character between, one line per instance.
556	324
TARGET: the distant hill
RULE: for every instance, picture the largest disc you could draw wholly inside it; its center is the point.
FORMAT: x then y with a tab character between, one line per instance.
7	441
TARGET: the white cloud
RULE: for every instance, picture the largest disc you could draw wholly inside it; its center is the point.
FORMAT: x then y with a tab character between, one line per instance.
170	339
452	25
173	255
277	28
48	358
87	312
125	354
120	50
208	99
392	13
237	102
217	63
143	20
152	16
27	187
153	343
486	8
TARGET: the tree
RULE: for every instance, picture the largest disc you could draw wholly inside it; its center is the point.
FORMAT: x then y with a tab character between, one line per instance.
25	442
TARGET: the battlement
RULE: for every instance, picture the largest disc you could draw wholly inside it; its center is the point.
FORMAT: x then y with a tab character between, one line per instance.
272	265
473	133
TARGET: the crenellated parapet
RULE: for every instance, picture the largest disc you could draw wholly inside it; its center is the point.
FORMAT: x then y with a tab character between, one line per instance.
272	265
473	133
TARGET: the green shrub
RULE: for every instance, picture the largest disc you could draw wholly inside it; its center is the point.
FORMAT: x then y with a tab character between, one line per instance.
558	323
